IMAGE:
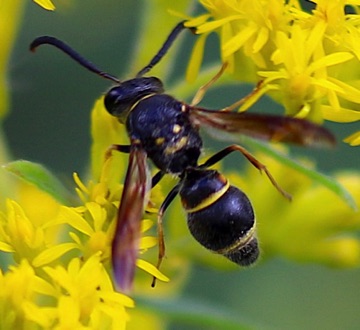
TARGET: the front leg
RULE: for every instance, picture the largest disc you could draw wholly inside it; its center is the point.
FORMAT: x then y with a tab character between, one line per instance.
117	147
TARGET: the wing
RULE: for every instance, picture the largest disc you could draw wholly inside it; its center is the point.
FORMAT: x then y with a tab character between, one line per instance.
273	128
127	233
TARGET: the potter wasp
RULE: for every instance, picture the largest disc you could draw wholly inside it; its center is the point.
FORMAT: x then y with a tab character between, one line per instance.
166	131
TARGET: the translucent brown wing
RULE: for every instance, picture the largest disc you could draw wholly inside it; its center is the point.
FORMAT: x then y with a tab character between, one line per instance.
226	125
127	233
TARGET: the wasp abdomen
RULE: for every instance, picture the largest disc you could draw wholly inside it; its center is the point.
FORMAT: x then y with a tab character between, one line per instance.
220	216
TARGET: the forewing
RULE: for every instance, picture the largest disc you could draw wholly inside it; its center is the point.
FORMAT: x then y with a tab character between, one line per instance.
227	125
127	233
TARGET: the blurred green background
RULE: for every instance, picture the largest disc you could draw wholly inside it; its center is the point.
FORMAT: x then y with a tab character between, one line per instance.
49	123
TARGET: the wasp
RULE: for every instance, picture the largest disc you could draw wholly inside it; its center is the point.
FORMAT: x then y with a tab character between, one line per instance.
166	131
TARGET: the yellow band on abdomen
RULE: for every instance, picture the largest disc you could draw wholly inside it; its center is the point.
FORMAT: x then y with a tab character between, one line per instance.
210	200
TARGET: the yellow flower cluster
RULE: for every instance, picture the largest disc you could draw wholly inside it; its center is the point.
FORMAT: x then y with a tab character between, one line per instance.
58	273
309	62
46	286
54	249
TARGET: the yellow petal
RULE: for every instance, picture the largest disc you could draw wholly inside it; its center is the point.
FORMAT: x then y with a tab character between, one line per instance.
53	253
353	139
69	313
6	247
329	60
327	84
196	58
314	39
40	315
151	269
261	40
349	93
148	242
340	115
117	298
75	220
197	20
98	214
46	4
238	40
146	224
211	26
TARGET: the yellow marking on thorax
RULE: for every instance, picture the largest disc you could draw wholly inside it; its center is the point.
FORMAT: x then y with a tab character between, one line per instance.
210	199
159	141
176	129
177	146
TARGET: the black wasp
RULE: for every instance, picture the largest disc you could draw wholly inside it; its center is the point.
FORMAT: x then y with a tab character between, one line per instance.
166	130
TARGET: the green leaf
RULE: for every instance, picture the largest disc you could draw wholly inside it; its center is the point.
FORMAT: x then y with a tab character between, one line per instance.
195	313
39	176
327	181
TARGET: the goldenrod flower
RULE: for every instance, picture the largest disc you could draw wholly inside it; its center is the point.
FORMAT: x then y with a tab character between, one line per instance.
55	291
308	61
20	288
59	274
58	246
301	80
27	238
84	299
246	30
62	298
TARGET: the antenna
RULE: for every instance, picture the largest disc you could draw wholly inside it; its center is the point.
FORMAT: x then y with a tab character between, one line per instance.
73	54
163	50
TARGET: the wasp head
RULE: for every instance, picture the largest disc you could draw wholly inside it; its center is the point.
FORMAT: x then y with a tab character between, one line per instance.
120	99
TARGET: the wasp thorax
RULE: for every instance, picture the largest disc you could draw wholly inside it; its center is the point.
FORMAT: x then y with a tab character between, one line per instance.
120	99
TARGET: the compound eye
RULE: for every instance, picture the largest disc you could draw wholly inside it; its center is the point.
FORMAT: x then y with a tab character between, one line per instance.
112	100
118	102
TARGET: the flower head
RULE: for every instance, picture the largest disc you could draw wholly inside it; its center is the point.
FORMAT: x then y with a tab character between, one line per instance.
59	246
308	61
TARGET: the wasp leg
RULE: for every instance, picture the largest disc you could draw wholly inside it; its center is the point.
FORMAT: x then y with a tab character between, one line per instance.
156	178
160	230
260	166
117	147
203	89
258	89
154	181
